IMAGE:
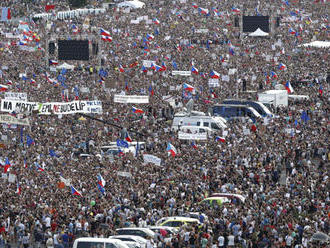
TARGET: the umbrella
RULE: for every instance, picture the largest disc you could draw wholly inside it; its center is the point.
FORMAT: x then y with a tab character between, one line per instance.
320	236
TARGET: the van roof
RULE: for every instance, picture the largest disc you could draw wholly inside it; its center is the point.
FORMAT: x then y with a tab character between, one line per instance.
84	239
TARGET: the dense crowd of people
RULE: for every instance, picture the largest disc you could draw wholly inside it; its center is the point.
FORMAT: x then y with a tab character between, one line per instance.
36	208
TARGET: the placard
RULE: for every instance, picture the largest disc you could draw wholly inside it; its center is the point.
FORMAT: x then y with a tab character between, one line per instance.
192	136
131	99
147	63
148	158
214	82
18	96
181	73
9	119
124	174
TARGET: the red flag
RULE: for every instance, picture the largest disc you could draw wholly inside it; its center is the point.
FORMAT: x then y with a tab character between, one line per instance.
49	7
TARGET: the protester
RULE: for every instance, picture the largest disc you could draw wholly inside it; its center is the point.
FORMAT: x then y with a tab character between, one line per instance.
56	196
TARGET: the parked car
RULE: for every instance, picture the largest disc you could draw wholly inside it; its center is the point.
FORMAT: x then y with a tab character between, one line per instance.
136	231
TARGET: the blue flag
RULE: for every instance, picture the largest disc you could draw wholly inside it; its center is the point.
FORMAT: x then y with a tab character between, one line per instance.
52	153
122	143
29	140
175	66
137	149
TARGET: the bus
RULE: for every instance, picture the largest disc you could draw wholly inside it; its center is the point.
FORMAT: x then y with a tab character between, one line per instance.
258	106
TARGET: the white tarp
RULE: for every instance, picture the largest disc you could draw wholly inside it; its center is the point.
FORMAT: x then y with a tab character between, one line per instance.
52	107
258	33
135	4
317	43
131	99
9	119
65	66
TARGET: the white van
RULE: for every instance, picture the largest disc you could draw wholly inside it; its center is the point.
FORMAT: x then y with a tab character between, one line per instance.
98	243
215	123
196	129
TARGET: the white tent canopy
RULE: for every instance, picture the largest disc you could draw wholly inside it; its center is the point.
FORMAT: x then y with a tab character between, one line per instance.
258	33
317	43
65	66
135	4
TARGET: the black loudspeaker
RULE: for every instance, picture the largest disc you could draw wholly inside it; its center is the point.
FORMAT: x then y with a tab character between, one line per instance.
278	19
95	48
236	22
51	48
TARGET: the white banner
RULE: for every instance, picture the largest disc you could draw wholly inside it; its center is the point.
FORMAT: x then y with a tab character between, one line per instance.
52	107
12	36
124	174
27	48
18	96
148	158
147	63
8	119
201	31
214	82
131	99
192	136
181	73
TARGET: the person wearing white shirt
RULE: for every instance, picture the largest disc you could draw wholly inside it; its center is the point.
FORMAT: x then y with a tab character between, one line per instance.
221	241
231	240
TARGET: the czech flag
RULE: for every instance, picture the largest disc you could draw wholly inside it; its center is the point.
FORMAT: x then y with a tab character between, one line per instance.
193	145
273	74
75	29
144	69
151	90
101	189
203	11
121	68
214	74
18	189
158	68
100	180
291	31
25	163
53	62
3	88
171	149
288	87
32	81
156	21
188	87
104	32
235	10
220	139
7	166
75	192
150	37
195	5
22	43
194	70
128	137
321	90
106	38
39	168
152	66
137	110
282	66
164	66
